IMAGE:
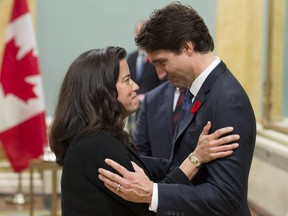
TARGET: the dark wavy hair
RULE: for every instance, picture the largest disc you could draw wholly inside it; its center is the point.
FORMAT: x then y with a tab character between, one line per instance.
168	28
87	102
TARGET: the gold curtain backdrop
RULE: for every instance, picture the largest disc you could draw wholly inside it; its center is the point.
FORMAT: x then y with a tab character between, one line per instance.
5	9
276	57
239	42
250	38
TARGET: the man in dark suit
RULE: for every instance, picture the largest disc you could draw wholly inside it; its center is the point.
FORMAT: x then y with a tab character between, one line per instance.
178	42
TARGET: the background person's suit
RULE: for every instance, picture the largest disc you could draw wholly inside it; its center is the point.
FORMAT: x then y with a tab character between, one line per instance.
148	80
154	134
220	187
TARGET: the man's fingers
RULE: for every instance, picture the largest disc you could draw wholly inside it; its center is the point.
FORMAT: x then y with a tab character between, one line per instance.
116	166
137	168
108	183
110	178
113	182
117	192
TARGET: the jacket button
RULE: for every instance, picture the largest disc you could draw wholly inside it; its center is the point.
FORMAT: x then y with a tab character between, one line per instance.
168	212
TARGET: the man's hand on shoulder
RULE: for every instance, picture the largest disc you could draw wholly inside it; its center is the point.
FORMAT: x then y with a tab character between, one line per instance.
131	186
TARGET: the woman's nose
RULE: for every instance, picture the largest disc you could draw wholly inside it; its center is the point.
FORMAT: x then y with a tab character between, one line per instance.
135	86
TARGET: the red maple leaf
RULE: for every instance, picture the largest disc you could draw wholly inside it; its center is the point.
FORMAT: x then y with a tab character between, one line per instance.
15	71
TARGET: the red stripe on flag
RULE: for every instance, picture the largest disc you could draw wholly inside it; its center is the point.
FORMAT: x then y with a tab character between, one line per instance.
20	7
25	141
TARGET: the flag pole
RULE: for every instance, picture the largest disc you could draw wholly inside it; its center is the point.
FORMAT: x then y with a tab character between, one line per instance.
18	198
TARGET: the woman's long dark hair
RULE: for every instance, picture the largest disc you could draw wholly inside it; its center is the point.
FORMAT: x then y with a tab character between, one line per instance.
87	102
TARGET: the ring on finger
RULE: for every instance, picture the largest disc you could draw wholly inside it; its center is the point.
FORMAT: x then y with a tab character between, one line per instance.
118	187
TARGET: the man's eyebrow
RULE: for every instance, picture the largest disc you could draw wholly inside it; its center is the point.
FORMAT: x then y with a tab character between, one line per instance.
156	60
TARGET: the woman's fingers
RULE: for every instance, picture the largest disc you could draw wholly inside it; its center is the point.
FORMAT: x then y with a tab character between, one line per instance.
223	148
225	140
220	132
221	154
206	129
216	145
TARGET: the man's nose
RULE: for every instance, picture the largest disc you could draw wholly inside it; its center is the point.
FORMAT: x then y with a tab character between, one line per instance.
162	74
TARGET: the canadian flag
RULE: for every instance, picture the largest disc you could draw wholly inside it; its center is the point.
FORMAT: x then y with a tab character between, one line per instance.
22	111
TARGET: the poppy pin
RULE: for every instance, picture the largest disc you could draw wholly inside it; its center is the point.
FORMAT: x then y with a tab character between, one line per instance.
196	107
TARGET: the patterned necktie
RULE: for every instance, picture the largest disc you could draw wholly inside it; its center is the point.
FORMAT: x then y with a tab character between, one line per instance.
178	108
187	104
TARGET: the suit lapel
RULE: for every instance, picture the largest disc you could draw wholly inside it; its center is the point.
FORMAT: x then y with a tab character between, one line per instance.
200	97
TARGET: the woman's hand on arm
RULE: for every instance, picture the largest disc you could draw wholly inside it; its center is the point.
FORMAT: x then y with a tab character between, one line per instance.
210	147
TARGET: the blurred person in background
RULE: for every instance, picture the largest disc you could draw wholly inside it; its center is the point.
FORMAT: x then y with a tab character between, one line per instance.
157	120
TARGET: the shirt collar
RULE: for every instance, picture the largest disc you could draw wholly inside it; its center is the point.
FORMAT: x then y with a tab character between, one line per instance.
141	52
197	83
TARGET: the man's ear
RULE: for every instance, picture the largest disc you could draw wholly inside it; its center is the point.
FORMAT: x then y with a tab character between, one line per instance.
188	47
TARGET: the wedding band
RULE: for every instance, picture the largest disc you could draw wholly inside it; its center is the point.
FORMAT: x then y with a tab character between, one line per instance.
118	187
